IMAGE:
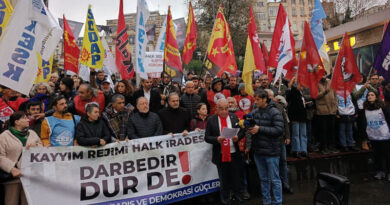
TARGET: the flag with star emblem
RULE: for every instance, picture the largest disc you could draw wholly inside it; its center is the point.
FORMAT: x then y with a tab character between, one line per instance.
310	69
44	69
191	35
172	61
220	54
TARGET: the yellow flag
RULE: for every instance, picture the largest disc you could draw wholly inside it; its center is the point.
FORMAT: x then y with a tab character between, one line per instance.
249	67
44	69
92	52
5	13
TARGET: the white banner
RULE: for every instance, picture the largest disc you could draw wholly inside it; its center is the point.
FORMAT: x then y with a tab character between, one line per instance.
31	30
161	38
154	63
155	170
141	40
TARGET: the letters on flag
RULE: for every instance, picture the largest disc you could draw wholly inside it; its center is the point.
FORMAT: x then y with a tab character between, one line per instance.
172	60
319	34
92	52
122	47
382	59
31	29
154	170
44	69
310	69
220	54
282	54
5	14
191	35
141	39
71	50
346	73
161	38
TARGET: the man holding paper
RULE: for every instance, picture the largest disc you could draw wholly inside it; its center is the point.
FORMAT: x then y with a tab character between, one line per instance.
226	154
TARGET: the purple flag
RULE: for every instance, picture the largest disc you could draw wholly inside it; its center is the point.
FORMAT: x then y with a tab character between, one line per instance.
382	59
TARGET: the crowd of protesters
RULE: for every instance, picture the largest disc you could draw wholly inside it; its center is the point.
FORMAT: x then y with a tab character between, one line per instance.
281	119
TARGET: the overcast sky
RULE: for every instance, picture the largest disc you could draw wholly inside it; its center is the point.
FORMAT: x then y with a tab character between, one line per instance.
76	10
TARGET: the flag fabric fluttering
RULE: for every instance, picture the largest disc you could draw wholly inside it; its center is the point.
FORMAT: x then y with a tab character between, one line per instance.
319	34
191	35
311	69
6	12
346	73
31	29
266	58
122	47
161	38
44	69
282	54
253	55
382	59
71	49
92	51
141	39
109	66
220	56
172	60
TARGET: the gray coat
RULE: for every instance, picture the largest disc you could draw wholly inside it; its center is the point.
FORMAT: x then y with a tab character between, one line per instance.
144	125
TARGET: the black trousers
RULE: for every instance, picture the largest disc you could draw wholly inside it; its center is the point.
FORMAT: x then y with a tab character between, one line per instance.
361	123
326	130
381	150
230	177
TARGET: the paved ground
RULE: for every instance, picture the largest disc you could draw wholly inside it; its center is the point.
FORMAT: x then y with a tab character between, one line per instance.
364	190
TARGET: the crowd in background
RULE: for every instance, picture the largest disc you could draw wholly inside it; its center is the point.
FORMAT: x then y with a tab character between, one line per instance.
281	119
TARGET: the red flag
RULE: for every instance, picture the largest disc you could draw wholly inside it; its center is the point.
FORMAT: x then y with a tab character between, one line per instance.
191	35
310	69
172	61
122	47
265	54
254	38
71	50
282	54
346	73
220	53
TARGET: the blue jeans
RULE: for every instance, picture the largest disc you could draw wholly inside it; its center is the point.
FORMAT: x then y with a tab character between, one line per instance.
283	171
299	138
268	169
346	134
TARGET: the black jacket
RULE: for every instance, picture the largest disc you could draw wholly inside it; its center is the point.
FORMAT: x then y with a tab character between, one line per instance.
175	120
296	106
213	132
271	127
144	125
189	102
89	133
155	99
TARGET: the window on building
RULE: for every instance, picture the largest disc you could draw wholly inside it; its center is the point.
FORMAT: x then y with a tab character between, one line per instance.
301	2
273	11
261	16
260	4
295	27
294	12
272	22
264	27
302	12
293	2
131	39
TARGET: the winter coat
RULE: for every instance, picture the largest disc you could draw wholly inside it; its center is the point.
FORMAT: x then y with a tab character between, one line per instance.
189	102
175	120
271	127
326	102
89	133
296	105
144	125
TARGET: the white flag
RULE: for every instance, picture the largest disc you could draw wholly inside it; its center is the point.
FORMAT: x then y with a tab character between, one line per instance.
161	38
109	65
31	30
84	72
141	39
286	53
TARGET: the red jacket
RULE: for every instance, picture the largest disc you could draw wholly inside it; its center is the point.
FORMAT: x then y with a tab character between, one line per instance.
80	104
213	97
245	103
9	107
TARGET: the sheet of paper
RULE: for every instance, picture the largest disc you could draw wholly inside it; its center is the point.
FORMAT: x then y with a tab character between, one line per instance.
229	132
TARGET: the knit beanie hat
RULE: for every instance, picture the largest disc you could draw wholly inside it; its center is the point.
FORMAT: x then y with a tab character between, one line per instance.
241	86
